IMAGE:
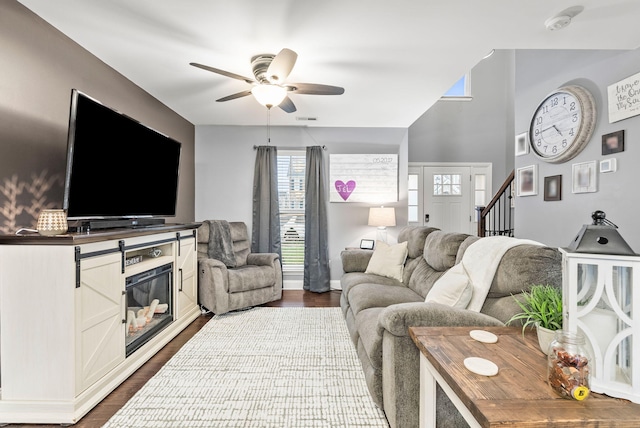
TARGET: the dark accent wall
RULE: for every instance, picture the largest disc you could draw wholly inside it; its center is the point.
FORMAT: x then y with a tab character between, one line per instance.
39	67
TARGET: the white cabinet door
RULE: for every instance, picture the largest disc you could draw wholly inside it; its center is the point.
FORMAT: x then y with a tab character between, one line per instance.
100	332
185	277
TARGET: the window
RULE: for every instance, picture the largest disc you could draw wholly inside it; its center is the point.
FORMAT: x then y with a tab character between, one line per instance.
447	184
480	190
460	90
291	174
413	197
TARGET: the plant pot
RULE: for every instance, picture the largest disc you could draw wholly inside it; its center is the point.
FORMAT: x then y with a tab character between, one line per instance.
545	337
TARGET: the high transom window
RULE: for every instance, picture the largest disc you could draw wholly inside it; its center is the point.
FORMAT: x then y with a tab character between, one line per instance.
461	90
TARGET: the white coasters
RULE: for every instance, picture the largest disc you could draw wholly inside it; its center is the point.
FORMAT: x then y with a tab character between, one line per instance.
481	366
483	336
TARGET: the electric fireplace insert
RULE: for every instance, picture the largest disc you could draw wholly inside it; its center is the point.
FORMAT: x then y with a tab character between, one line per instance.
149	305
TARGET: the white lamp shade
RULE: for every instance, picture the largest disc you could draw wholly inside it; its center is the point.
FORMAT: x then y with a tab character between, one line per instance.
382	216
269	95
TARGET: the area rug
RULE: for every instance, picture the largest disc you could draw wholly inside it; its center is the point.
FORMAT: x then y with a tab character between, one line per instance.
264	367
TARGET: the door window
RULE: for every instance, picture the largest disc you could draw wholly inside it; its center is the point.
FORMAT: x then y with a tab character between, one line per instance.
447	184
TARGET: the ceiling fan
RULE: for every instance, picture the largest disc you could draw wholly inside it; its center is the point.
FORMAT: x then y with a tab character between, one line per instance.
269	86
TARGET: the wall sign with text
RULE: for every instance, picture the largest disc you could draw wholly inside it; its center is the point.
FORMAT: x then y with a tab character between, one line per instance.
624	98
363	178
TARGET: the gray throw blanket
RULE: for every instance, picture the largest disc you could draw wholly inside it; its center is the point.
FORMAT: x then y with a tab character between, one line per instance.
220	243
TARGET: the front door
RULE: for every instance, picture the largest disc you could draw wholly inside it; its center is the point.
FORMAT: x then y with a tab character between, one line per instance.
447	199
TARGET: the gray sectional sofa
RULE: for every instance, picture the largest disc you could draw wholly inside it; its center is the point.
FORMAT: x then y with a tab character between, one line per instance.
379	310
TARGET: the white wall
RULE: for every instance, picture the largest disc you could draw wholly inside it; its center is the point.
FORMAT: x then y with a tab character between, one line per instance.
556	223
480	130
224	175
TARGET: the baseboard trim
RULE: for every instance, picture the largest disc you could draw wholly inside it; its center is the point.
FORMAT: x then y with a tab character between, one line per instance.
292	284
296	284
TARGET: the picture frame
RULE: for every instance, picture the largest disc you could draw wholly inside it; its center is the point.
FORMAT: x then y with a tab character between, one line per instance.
553	188
584	177
367	244
527	179
623	103
608	165
522	144
613	142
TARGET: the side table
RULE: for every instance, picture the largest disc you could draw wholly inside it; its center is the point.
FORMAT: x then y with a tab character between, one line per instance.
517	396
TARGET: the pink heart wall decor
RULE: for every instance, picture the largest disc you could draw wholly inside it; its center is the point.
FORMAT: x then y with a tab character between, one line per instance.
345	189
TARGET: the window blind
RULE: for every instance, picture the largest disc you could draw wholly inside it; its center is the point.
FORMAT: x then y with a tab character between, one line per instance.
291	174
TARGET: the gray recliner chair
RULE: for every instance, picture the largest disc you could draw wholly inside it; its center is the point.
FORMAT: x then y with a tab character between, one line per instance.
230	277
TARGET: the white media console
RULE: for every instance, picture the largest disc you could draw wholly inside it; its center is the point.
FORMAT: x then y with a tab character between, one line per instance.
63	315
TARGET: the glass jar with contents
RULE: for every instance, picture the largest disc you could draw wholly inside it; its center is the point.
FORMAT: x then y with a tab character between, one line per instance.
568	365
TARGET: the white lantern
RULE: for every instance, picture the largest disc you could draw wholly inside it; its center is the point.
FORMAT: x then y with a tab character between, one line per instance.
599	302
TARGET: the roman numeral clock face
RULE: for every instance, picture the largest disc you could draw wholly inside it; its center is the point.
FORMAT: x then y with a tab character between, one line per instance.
562	124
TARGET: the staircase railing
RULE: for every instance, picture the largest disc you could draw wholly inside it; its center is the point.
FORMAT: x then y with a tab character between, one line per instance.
497	217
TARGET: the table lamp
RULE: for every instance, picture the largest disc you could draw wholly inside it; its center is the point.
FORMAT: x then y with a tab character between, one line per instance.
382	217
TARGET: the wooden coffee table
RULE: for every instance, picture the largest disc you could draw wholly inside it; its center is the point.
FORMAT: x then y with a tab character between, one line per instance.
518	396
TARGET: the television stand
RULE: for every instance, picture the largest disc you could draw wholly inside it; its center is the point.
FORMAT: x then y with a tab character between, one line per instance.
64	312
87	225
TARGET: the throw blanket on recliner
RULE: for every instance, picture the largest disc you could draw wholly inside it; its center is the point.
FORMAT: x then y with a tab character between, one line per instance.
478	267
220	242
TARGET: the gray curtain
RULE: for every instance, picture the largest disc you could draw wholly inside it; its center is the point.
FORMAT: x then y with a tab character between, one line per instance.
265	233
316	243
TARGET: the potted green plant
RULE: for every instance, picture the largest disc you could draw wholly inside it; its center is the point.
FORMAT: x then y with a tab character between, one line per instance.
541	307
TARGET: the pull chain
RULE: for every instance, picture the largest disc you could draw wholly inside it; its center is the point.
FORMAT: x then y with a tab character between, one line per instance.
268	126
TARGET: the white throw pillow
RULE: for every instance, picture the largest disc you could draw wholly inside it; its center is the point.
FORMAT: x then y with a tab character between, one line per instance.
452	289
388	260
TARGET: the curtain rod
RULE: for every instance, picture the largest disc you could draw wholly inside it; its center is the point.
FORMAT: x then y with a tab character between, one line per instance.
291	147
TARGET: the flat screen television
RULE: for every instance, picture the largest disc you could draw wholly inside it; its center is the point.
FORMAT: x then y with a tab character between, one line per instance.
116	166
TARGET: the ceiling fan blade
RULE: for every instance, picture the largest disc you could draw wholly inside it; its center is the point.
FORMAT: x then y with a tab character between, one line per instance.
222	72
287	105
234	96
314	89
281	66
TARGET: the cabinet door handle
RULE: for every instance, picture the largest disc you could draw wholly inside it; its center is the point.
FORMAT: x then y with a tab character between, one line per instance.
180	272
124	307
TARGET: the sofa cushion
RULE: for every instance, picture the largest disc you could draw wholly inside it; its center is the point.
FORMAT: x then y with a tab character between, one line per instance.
463	247
453	289
365	296
441	249
355	260
501	308
249	277
350	279
415	236
526	265
388	260
366	322
423	277
241	242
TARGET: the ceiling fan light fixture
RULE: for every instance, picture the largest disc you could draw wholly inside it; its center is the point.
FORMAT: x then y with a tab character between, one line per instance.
269	95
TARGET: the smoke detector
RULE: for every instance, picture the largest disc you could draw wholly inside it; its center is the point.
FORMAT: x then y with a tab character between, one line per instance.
562	19
557	22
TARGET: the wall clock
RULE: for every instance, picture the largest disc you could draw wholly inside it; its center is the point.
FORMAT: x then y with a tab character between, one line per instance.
562	124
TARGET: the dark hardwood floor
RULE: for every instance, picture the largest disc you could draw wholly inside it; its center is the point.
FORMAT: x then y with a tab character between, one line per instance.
114	401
